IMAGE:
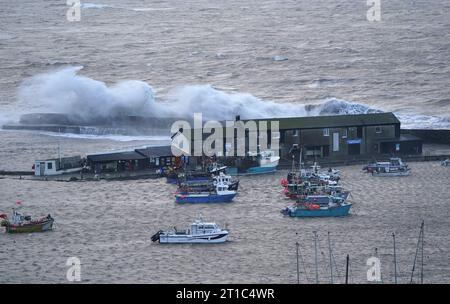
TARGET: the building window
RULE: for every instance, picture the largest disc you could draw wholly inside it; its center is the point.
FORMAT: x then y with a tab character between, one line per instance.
345	133
326	132
378	130
49	166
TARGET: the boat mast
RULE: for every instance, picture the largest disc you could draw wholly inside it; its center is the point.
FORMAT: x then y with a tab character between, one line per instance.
59	147
330	254
419	242
300	160
298	270
395	260
315	257
423	236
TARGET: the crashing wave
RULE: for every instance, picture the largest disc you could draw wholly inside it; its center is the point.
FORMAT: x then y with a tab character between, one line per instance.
89	100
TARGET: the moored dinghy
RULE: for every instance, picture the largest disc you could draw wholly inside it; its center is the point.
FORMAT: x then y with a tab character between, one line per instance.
200	232
24	224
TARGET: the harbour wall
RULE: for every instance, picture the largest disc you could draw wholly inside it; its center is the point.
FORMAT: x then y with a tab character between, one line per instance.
430	136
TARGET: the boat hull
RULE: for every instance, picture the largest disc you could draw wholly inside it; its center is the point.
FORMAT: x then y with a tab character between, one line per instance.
322	212
193	239
251	171
204	187
204	198
43	226
383	174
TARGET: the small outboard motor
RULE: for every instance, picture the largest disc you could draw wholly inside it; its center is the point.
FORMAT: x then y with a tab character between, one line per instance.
155	237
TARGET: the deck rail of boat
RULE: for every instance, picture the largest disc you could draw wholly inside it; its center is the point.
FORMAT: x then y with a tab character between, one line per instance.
362	160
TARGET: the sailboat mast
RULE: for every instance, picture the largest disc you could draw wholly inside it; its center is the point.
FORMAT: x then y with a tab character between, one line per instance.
59	147
395	260
315	257
419	241
346	269
329	253
423	236
298	270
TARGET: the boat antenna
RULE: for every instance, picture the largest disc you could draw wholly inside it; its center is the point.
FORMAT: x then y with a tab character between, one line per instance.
395	260
315	257
293	162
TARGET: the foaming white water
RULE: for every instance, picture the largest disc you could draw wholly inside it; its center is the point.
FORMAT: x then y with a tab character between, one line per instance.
137	9
94	5
219	105
114	137
423	122
64	91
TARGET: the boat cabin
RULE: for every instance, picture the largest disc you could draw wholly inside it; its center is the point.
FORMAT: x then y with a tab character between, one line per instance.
199	227
57	166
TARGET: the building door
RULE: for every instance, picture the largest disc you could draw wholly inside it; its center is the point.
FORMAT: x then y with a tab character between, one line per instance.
354	149
336	142
42	169
325	151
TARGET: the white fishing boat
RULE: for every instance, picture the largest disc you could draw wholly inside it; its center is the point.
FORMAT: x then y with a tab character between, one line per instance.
391	171
199	232
394	164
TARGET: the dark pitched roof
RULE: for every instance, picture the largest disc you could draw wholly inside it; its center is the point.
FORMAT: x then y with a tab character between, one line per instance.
333	121
114	156
155	151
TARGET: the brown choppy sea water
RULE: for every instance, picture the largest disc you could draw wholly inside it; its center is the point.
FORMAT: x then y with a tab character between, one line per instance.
108	224
399	64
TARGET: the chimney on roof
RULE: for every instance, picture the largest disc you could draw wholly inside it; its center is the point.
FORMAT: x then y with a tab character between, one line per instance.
237	118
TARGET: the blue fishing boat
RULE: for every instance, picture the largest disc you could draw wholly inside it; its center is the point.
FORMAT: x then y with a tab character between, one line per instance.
334	208
220	195
261	163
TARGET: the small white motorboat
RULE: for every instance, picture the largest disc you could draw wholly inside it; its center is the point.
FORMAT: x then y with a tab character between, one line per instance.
200	232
